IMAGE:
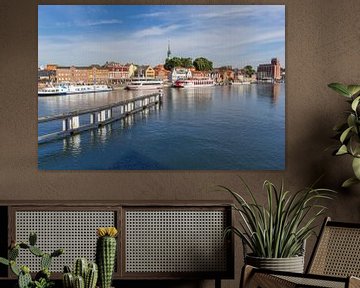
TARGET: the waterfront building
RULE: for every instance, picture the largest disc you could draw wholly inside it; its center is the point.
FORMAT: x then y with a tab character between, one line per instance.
270	71
161	73
46	76
119	72
82	75
145	71
179	73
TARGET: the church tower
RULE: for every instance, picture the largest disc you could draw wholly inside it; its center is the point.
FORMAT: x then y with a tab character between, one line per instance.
168	51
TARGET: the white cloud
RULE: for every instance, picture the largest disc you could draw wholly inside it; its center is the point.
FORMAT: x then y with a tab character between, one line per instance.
155	31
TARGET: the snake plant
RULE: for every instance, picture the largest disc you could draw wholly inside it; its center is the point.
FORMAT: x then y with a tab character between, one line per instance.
279	228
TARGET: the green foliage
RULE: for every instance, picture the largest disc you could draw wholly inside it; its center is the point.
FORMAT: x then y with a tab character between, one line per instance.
249	70
42	278
43	283
348	132
279	229
203	64
170	63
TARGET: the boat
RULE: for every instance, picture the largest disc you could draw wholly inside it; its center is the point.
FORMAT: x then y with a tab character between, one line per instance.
240	82
63	89
144	84
53	90
194	82
78	89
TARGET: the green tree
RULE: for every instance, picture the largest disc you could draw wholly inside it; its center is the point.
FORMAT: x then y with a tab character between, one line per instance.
203	64
186	62
249	70
172	62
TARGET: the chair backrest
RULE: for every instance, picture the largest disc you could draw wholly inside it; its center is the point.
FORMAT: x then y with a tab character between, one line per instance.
337	251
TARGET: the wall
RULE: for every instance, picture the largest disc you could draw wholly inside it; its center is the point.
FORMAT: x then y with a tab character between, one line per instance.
322	46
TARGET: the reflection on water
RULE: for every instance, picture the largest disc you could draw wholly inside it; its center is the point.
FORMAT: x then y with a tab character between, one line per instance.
239	127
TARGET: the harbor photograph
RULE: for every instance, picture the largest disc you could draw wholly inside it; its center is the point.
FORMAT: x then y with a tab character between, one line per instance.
161	87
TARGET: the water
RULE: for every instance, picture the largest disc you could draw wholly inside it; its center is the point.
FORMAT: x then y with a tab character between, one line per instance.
239	127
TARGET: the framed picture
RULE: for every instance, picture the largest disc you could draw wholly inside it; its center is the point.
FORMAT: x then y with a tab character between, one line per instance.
161	87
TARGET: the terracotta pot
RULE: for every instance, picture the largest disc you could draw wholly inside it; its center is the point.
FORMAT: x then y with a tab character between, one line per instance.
291	264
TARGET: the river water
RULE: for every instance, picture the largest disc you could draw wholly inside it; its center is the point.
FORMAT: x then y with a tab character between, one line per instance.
239	127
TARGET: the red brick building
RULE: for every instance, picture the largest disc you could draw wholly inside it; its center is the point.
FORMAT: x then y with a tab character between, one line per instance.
269	71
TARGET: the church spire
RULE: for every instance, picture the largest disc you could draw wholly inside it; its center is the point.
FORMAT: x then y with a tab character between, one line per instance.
168	51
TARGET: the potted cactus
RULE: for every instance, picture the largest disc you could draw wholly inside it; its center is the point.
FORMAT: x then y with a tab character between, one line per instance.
84	275
42	278
106	254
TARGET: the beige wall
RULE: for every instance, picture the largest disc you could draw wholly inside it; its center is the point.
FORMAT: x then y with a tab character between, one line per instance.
322	46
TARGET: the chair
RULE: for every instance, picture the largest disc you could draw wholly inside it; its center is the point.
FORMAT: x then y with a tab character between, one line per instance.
334	263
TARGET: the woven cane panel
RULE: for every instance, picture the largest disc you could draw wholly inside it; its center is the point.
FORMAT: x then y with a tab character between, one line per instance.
175	241
309	282
74	231
339	253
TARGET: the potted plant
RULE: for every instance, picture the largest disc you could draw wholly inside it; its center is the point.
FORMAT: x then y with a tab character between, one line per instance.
348	132
276	233
42	278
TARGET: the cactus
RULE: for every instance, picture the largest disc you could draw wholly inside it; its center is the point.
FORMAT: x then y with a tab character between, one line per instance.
68	280
89	272
45	261
79	282
105	255
80	268
42	278
36	251
24	277
91	276
32	239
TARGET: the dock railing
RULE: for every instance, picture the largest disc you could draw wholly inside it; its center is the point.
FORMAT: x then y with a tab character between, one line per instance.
99	116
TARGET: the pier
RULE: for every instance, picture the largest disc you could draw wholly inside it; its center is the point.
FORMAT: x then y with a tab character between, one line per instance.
97	117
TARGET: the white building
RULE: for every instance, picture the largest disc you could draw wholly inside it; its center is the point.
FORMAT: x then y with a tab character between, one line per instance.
179	73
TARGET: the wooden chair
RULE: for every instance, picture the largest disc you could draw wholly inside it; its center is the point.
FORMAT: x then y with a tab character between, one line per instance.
334	263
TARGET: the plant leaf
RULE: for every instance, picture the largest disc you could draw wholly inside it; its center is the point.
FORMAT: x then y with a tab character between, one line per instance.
356	167
355	103
353	89
345	134
342	150
349	182
340	88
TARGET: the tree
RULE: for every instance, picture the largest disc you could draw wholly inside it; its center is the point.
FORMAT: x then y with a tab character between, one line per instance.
170	63
203	64
186	62
249	70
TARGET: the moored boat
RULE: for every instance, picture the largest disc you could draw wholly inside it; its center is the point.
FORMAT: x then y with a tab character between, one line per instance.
194	82
78	89
144	84
53	90
63	89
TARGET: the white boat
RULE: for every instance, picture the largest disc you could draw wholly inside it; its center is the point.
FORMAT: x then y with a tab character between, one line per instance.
240	82
63	89
144	84
78	89
53	90
194	82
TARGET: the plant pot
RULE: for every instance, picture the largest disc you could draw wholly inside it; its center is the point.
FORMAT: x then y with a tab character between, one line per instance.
291	264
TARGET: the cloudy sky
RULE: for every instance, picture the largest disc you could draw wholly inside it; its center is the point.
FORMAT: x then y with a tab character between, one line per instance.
234	35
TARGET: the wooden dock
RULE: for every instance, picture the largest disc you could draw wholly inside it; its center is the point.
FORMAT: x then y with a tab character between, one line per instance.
99	116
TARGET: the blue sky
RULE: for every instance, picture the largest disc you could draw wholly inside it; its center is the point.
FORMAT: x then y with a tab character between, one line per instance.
234	35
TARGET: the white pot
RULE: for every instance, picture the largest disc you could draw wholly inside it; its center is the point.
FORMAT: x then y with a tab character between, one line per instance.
291	264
